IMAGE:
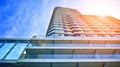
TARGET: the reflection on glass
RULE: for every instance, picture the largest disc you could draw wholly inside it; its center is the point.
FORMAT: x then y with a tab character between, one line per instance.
73	56
5	49
98	45
58	56
16	51
75	45
61	45
86	56
79	45
110	56
1	45
114	45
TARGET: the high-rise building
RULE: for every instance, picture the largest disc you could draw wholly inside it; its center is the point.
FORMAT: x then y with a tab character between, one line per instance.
69	22
72	40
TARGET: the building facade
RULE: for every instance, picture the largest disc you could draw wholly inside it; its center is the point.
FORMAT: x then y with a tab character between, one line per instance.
72	40
69	22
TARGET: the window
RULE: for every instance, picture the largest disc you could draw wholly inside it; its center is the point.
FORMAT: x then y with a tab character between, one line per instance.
5	49
16	51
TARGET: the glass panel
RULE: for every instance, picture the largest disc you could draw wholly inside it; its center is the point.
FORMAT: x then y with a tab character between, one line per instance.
72	56
98	45
62	45
66	45
47	56
79	45
1	44
51	56
85	56
59	56
33	56
114	45
46	45
16	51
5	49
41	45
110	56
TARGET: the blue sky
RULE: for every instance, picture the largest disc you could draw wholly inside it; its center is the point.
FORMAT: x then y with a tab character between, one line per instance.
25	18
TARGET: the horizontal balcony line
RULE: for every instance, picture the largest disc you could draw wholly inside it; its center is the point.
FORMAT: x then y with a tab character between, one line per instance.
52	47
61	60
77	38
68	60
8	61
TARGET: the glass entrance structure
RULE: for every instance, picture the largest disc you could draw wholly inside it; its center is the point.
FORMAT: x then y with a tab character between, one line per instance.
72	40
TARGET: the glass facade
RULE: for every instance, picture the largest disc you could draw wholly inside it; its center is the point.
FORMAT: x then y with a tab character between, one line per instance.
16	51
12	49
47	52
5	49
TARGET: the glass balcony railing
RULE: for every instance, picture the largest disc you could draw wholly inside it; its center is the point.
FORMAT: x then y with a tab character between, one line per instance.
75	45
117	37
72	56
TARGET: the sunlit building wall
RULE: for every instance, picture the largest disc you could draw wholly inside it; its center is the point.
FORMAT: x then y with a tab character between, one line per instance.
69	22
